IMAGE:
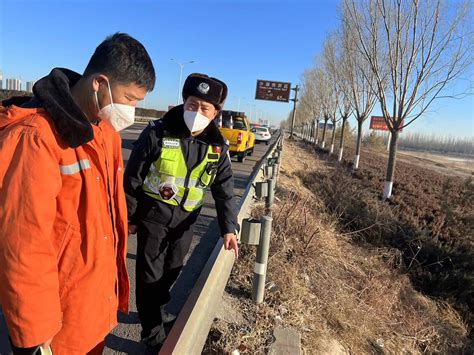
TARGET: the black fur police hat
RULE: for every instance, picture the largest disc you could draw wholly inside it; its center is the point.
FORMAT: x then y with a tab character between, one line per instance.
207	88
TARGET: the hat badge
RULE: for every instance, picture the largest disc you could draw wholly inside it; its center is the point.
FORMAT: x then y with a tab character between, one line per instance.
203	88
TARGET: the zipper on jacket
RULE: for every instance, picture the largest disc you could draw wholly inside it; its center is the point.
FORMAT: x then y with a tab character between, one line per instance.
109	186
109	193
189	170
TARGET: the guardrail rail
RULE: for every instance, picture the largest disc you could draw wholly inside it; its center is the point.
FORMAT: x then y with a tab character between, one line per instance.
191	328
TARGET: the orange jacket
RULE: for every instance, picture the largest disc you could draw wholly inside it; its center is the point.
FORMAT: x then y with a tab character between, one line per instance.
63	236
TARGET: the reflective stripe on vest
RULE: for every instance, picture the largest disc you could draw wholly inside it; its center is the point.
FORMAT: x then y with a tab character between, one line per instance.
170	170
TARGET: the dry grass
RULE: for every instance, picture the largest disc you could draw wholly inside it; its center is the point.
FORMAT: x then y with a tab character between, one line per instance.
340	297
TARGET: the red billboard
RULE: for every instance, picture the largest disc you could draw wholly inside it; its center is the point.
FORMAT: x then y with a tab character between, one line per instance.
378	123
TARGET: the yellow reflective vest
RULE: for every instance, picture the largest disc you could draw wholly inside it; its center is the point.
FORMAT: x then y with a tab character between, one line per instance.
170	181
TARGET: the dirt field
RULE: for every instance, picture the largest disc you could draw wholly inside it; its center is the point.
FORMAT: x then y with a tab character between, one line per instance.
445	164
342	295
430	219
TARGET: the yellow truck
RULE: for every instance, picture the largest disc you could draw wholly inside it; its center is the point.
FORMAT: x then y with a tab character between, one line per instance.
235	127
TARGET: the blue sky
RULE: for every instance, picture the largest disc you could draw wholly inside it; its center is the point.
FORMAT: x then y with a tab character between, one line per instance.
238	41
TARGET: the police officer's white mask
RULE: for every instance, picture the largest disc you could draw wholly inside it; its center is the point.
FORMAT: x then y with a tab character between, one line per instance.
195	121
120	116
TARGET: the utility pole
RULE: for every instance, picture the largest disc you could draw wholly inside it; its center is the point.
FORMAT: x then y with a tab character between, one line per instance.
295	100
238	102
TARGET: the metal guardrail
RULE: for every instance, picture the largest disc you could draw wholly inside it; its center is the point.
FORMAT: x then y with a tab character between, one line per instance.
145	118
190	330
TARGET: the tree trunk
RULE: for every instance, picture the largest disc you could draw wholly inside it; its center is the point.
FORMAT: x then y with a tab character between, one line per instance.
323	139
333	137
392	155
359	143
316	134
341	140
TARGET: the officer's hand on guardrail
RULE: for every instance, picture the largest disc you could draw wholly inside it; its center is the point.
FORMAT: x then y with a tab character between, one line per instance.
230	242
132	229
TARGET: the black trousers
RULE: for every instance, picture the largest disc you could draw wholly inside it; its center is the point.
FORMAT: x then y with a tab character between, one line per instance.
160	255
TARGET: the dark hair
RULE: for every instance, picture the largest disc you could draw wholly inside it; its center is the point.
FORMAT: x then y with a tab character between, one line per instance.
123	59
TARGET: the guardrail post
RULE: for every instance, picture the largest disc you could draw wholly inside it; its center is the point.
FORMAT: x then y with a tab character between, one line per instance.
260	269
270	196
276	172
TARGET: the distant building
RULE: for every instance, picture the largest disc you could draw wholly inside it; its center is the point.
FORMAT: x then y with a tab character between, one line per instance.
29	86
1	80
13	84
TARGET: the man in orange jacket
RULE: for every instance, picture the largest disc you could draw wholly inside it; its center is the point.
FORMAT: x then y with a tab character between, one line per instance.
63	217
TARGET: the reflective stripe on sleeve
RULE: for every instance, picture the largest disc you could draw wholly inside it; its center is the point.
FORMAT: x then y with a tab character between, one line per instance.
75	168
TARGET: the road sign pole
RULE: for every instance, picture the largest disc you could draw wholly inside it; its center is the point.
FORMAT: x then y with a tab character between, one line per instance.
295	100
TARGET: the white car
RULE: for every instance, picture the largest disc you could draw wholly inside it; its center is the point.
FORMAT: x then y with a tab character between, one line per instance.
262	134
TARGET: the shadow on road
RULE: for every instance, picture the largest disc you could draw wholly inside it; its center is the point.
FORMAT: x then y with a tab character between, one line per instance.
124	345
130	318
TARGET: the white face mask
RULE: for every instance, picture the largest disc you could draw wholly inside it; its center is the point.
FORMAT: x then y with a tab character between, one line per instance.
195	121
120	116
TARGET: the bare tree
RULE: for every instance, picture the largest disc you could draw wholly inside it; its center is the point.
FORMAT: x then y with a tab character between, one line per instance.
446	144
327	98
415	48
304	116
334	92
358	83
345	110
336	66
310	100
316	130
325	126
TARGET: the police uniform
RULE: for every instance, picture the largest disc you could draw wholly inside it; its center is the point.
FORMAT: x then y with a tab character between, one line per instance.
166	178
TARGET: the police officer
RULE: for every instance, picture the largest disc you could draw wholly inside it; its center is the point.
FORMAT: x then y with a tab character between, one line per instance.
173	162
